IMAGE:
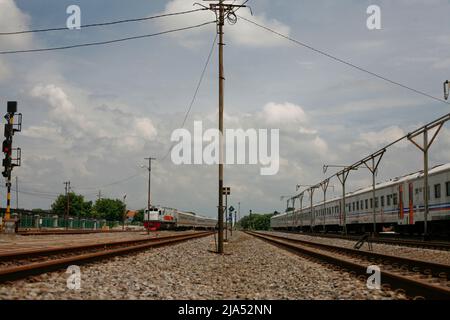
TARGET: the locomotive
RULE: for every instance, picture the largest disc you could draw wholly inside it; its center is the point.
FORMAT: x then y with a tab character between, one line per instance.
173	219
399	206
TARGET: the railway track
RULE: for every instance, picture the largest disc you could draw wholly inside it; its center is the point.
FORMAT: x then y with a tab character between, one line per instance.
437	245
417	278
69	232
18	265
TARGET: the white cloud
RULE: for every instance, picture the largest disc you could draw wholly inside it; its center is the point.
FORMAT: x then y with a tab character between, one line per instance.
80	121
4	71
243	33
380	138
284	113
307	131
442	64
13	19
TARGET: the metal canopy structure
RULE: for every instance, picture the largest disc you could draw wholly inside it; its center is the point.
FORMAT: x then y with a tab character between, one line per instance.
372	163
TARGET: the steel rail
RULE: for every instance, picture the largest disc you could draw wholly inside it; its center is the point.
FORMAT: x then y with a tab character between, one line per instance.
412	286
23	254
19	272
437	245
69	232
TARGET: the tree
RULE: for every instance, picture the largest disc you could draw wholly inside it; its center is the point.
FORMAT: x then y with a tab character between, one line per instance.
109	209
77	206
256	222
139	217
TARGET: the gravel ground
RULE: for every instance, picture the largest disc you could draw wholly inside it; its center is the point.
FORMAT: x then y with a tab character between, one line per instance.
251	269
438	256
18	242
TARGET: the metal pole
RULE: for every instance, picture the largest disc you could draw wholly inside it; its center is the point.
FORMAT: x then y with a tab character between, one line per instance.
324	209
311	195
150	159
220	208
301	209
8	181
425	181
343	179
373	196
17	193
226	217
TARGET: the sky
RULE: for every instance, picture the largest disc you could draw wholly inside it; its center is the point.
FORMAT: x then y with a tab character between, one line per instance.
91	115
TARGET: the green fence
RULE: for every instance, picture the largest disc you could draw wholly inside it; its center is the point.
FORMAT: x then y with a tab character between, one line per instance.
47	222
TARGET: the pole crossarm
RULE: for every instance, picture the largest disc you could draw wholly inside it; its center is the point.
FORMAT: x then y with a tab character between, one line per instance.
425	148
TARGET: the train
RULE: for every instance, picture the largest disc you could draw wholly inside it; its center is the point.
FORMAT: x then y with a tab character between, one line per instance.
162	218
399	207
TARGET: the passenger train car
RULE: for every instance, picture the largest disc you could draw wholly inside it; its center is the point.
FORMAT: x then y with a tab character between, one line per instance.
174	219
398	205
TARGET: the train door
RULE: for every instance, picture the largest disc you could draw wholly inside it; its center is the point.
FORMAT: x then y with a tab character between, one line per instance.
411	203
401	216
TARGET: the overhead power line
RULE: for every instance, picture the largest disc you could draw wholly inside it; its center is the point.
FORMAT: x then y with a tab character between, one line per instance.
105	42
112	183
100	24
195	92
343	61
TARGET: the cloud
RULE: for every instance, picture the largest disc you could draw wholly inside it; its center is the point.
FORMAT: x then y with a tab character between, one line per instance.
80	122
13	19
4	71
243	33
282	114
383	137
442	64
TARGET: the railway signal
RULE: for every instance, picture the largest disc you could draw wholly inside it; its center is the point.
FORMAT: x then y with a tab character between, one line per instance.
226	191
9	162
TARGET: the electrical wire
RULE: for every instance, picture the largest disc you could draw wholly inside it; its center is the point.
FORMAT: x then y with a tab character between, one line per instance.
194	97
112	183
343	61
101	24
105	42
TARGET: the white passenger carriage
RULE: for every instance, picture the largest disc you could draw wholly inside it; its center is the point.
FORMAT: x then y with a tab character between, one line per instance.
398	203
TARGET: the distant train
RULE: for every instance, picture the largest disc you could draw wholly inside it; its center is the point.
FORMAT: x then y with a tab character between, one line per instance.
398	203
173	219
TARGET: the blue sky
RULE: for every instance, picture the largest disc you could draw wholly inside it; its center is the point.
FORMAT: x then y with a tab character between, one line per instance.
92	114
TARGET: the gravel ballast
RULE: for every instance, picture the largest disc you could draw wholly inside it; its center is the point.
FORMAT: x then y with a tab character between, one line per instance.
431	255
251	269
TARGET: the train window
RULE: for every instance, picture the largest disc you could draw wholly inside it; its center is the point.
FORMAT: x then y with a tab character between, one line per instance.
395	199
367	204
417	190
353	206
362	205
376	202
357	205
448	188
437	191
371	203
388	198
382	201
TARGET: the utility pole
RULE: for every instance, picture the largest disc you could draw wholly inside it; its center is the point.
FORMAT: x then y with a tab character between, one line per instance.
149	168
222	11
17	193
67	211
239	210
99	194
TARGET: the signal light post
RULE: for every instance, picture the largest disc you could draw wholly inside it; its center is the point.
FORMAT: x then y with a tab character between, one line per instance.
9	162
